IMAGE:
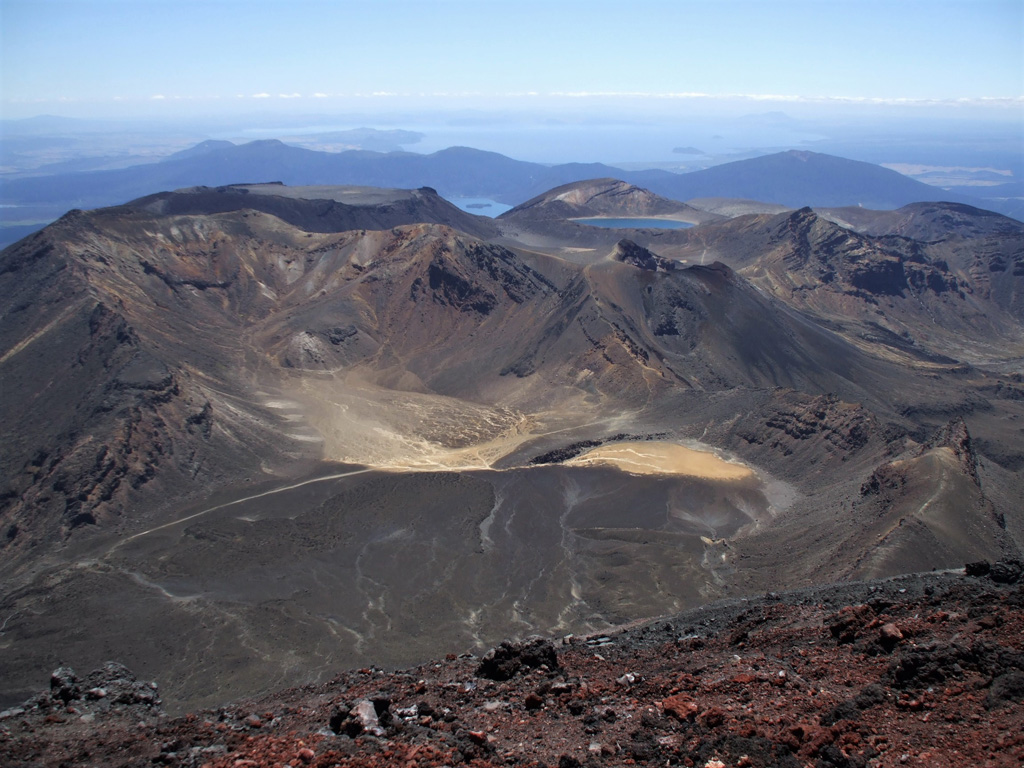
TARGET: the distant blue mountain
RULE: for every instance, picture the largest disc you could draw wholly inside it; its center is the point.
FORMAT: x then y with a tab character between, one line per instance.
458	171
791	178
798	178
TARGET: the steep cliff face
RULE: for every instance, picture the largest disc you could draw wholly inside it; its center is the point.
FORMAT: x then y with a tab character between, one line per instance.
818	254
99	415
904	297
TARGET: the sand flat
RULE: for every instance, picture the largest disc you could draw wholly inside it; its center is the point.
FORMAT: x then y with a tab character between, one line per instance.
660	458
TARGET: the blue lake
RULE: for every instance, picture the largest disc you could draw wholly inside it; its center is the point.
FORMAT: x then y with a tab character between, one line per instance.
635	223
481	206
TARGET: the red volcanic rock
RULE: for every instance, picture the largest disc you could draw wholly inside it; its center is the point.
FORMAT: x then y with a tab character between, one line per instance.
797	693
712	717
681	707
889	636
848	623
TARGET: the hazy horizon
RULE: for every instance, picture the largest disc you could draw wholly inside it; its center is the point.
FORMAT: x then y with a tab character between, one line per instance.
927	88
932	83
110	59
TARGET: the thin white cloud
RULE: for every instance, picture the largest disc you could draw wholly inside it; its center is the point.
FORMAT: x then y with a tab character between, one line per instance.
965	103
1012	101
769	97
623	94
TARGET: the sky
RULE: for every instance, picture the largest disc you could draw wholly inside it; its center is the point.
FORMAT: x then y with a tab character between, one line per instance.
116	58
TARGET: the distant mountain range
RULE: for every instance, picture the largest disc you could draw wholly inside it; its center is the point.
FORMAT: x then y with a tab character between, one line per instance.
799	178
793	178
458	171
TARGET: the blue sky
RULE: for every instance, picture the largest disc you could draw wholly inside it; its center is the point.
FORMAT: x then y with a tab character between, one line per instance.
108	58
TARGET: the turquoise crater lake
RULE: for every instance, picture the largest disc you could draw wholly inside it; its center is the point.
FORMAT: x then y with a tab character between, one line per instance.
635	223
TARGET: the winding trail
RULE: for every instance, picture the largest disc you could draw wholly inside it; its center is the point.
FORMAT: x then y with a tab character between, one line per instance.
271	492
67	313
324	478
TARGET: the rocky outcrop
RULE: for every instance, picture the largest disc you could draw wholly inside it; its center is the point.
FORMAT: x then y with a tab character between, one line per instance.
628	252
824	421
110	691
956	437
845	261
512	658
120	431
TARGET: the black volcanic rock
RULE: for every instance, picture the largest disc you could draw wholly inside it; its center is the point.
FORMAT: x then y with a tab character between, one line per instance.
628	252
512	658
824	422
983	249
1007	571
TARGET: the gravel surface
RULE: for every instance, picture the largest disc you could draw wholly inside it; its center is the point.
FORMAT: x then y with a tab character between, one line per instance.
924	670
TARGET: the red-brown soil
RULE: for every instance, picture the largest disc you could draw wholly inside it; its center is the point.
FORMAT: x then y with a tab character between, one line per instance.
915	671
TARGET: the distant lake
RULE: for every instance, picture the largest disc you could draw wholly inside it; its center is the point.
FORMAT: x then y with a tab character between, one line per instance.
635	223
481	206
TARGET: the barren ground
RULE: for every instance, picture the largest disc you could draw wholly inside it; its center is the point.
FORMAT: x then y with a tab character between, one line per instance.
915	671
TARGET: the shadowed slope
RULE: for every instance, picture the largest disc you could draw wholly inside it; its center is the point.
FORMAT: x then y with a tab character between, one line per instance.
957	298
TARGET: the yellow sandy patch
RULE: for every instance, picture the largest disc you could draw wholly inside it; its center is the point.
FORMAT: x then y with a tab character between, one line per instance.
654	458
